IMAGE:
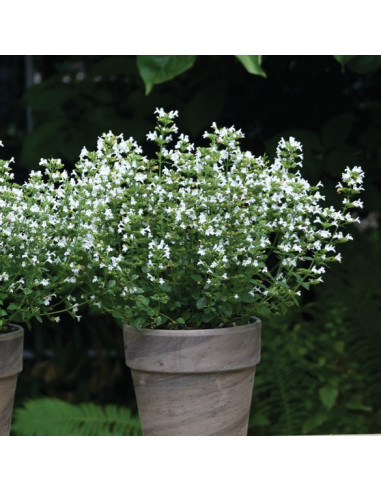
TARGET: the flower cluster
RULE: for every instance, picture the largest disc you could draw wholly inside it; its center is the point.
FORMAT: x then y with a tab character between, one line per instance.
195	237
200	237
39	271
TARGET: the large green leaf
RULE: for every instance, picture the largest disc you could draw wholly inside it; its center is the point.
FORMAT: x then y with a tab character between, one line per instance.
155	69
361	64
252	63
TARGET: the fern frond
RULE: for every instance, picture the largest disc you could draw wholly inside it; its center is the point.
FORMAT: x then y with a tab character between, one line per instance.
53	417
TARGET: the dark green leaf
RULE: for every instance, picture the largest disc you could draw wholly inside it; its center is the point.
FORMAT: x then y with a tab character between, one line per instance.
343	59
328	396
246	298
252	63
196	277
362	64
155	69
313	422
201	303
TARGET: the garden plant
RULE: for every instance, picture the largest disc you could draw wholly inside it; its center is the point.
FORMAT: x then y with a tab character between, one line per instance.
200	238
203	237
320	363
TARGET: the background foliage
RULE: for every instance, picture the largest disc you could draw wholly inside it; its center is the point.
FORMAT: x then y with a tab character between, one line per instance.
321	364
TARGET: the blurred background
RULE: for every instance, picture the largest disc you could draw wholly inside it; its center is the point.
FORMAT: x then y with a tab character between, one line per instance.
321	364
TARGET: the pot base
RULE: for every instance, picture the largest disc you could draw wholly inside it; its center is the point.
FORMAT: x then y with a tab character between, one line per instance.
211	404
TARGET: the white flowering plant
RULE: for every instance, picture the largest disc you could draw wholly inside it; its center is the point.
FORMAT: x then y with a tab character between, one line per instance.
38	250
202	237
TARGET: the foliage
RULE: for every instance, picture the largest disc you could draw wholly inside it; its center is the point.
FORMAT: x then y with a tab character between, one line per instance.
155	69
334	111
319	372
53	417
359	63
206	236
252	63
37	254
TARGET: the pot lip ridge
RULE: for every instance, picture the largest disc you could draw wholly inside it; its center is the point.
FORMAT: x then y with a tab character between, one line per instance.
256	324
17	333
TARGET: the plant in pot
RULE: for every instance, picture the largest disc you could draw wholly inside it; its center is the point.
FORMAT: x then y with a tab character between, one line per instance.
38	267
190	247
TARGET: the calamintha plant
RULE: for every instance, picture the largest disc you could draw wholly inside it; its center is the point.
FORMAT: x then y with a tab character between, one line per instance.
202	237
38	249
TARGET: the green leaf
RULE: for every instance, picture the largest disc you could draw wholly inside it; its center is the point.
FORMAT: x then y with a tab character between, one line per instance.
181	321
196	277
246	298
361	64
262	310
328	396
313	422
343	59
201	303
155	69
117	315
252	63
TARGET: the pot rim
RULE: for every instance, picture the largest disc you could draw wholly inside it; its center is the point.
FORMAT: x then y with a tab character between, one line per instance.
193	332
18	332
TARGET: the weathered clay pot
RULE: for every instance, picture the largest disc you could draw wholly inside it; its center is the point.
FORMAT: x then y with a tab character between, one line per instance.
11	355
193	382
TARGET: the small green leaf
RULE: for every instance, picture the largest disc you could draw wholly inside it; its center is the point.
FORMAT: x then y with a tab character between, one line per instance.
328	396
196	277
117	315
181	321
155	69
313	422
248	298
201	303
252	63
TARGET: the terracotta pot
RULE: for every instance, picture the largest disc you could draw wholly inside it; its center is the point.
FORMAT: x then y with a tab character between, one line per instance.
11	356
193	382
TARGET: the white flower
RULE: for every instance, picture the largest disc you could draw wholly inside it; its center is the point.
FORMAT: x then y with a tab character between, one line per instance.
152	135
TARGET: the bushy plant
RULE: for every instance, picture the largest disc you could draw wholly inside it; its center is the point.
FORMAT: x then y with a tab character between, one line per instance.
201	237
38	248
